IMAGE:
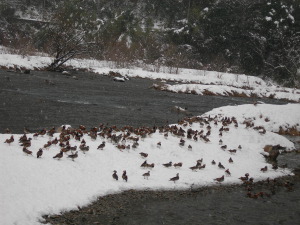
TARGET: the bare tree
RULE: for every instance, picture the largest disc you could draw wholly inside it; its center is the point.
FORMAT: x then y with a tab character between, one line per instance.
70	32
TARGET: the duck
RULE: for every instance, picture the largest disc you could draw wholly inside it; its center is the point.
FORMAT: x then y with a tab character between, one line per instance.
59	155
101	146
10	140
221	166
182	142
115	176
220	142
220	179
230	160
159	144
202	167
84	148
195	137
25	150
150	165
213	162
39	153
246	177
176	165
264	169
232	151
73	156
194	168
144	164
190	148
124	175
135	145
49	143
228	172
167	164
223	147
175	178
144	155
26	143
23	138
146	175
55	141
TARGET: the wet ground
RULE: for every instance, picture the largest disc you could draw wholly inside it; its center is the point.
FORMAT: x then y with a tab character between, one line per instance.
43	99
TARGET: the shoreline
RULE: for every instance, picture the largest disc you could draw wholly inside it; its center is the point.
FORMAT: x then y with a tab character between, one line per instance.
114	208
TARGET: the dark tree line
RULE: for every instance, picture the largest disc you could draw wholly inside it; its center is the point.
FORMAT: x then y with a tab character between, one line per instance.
258	37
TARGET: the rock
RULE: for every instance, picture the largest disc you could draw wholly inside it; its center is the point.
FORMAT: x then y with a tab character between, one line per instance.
273	151
67	73
119	79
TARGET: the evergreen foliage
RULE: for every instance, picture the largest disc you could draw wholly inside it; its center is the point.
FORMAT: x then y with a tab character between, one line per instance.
258	37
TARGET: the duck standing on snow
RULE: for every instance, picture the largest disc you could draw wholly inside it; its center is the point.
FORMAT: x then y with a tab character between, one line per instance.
167	164
10	140
124	176
39	153
220	179
25	150
115	176
73	156
59	155
146	175
175	178
101	146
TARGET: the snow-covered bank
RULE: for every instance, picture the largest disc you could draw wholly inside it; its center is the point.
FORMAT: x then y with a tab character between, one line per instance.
191	81
31	187
254	91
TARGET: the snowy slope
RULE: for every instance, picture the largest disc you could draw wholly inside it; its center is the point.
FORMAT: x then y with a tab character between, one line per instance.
31	187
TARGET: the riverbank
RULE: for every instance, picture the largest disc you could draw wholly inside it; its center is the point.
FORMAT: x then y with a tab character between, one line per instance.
92	98
190	81
219	204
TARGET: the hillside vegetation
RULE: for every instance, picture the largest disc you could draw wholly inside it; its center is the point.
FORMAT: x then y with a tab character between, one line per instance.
258	37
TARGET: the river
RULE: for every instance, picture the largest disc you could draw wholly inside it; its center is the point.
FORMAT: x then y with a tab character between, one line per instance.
46	99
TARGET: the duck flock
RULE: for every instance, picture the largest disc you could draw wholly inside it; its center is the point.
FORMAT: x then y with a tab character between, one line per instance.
200	143
57	169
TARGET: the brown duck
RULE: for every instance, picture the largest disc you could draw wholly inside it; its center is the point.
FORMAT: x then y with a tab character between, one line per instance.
101	146
124	176
220	179
144	155
177	165
59	155
146	175
73	156
39	153
115	176
10	140
169	164
175	178
25	150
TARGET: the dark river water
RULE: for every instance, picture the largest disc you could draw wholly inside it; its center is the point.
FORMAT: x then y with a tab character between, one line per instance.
44	99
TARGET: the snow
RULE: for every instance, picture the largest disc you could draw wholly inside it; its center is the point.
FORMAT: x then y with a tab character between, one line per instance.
268	18
32	187
291	18
225	90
